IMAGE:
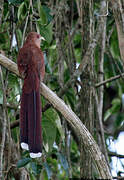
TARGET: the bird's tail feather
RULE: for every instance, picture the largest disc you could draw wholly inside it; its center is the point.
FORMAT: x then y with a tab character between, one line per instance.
30	123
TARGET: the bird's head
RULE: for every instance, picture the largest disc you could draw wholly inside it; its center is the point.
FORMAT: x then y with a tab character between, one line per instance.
35	38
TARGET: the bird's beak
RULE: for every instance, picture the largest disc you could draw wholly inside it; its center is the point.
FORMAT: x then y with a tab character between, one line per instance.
42	38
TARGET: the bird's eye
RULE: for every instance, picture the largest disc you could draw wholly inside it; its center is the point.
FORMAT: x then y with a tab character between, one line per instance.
38	36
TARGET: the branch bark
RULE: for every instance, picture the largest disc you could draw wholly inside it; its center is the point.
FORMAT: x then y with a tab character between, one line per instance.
4	125
119	19
115	154
73	120
109	80
86	92
101	138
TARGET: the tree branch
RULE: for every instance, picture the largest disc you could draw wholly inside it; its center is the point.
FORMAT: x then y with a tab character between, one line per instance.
115	154
99	98
109	80
4	124
73	120
119	20
118	177
14	124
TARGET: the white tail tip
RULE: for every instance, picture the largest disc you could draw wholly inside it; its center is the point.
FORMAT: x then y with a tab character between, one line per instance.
24	146
35	155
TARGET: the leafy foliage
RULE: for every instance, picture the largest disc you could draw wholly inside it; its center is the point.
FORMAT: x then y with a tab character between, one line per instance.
23	162
56	22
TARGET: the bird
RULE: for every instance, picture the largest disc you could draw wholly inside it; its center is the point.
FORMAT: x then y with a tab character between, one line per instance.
30	61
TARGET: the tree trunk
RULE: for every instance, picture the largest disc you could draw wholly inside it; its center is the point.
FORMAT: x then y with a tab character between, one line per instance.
87	99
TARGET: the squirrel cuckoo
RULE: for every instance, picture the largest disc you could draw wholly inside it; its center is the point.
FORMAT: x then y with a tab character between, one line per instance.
31	66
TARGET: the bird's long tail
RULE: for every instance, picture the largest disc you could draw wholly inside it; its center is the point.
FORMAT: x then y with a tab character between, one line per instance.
30	123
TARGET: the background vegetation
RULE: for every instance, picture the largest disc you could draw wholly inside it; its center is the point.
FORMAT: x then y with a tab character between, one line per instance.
84	54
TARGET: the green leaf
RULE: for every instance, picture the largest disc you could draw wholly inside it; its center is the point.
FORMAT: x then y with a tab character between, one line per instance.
47	11
114	44
45	31
64	162
47	66
22	11
15	1
59	126
32	176
19	35
119	120
23	162
42	13
48	170
49	129
2	38
36	168
70	96
116	105
107	114
116	101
